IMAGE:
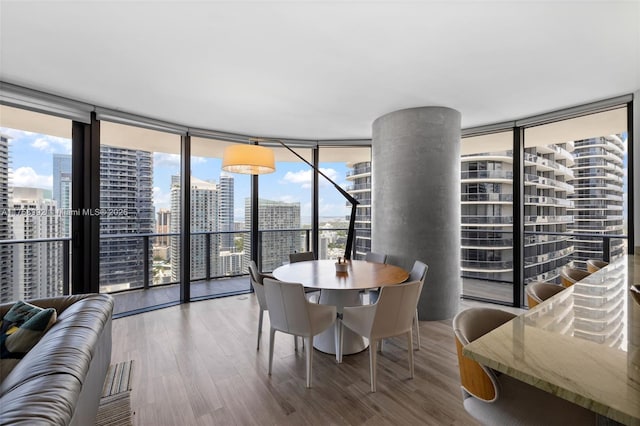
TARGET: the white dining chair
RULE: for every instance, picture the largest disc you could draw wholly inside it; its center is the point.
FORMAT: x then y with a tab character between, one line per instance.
290	312
391	315
304	256
301	256
257	279
375	257
418	273
499	399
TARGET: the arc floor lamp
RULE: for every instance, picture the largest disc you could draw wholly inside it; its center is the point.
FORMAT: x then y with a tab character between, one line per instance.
255	159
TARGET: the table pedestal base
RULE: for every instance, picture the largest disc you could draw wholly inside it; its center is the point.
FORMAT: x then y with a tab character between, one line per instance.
352	343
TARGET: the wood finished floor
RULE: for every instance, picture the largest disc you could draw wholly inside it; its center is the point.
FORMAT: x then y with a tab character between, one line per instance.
197	364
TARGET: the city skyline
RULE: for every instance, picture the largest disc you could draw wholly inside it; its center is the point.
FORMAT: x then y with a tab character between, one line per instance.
31	165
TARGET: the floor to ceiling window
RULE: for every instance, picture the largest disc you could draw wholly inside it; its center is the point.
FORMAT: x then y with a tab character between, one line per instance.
139	214
575	191
350	168
217	222
487	216
574	201
573	204
284	208
35	204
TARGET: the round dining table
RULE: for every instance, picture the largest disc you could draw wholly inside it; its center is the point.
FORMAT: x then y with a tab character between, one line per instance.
340	289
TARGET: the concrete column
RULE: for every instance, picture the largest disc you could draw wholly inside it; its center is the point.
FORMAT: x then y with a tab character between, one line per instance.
416	200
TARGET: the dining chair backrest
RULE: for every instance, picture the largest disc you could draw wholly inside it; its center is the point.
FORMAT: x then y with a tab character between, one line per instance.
375	257
418	272
253	272
569	276
257	284
538	292
469	325
288	311
395	309
301	256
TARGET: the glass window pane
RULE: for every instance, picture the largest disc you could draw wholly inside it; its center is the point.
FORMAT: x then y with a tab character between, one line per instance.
284	208
140	215
35	203
575	183
217	222
350	168
487	216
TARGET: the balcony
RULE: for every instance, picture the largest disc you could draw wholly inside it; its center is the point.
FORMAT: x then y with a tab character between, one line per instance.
215	272
487	175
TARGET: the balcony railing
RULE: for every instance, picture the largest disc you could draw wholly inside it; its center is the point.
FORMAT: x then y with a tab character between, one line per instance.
59	284
487	174
213	253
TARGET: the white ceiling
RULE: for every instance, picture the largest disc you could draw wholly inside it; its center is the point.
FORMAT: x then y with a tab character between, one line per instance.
323	69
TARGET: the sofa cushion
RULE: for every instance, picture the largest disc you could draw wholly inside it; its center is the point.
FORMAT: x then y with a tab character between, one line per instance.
59	381
68	347
22	327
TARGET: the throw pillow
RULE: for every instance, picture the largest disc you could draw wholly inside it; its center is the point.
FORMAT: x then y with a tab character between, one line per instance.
22	327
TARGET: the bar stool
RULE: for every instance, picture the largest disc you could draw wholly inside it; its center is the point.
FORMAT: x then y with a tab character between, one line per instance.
569	276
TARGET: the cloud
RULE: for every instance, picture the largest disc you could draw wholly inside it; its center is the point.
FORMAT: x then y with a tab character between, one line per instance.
329	209
15	133
287	199
198	160
26	176
303	177
161	199
51	144
162	159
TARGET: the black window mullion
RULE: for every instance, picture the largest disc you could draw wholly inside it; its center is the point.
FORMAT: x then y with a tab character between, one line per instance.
518	217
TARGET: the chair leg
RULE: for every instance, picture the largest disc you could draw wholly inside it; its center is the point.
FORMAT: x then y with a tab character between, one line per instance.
272	338
339	340
373	354
295	342
410	351
309	351
417	326
259	328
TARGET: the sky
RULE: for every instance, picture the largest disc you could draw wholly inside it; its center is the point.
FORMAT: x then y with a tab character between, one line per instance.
31	165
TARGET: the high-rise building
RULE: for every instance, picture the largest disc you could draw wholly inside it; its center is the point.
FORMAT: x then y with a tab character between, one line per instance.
126	198
163	220
225	211
547	171
598	181
6	250
571	187
62	189
360	189
487	213
161	243
204	218
276	246
37	267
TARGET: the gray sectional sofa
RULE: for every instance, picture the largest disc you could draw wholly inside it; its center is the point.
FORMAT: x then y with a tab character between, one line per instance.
59	381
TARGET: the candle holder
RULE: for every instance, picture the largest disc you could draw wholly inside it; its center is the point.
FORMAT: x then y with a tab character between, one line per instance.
341	266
